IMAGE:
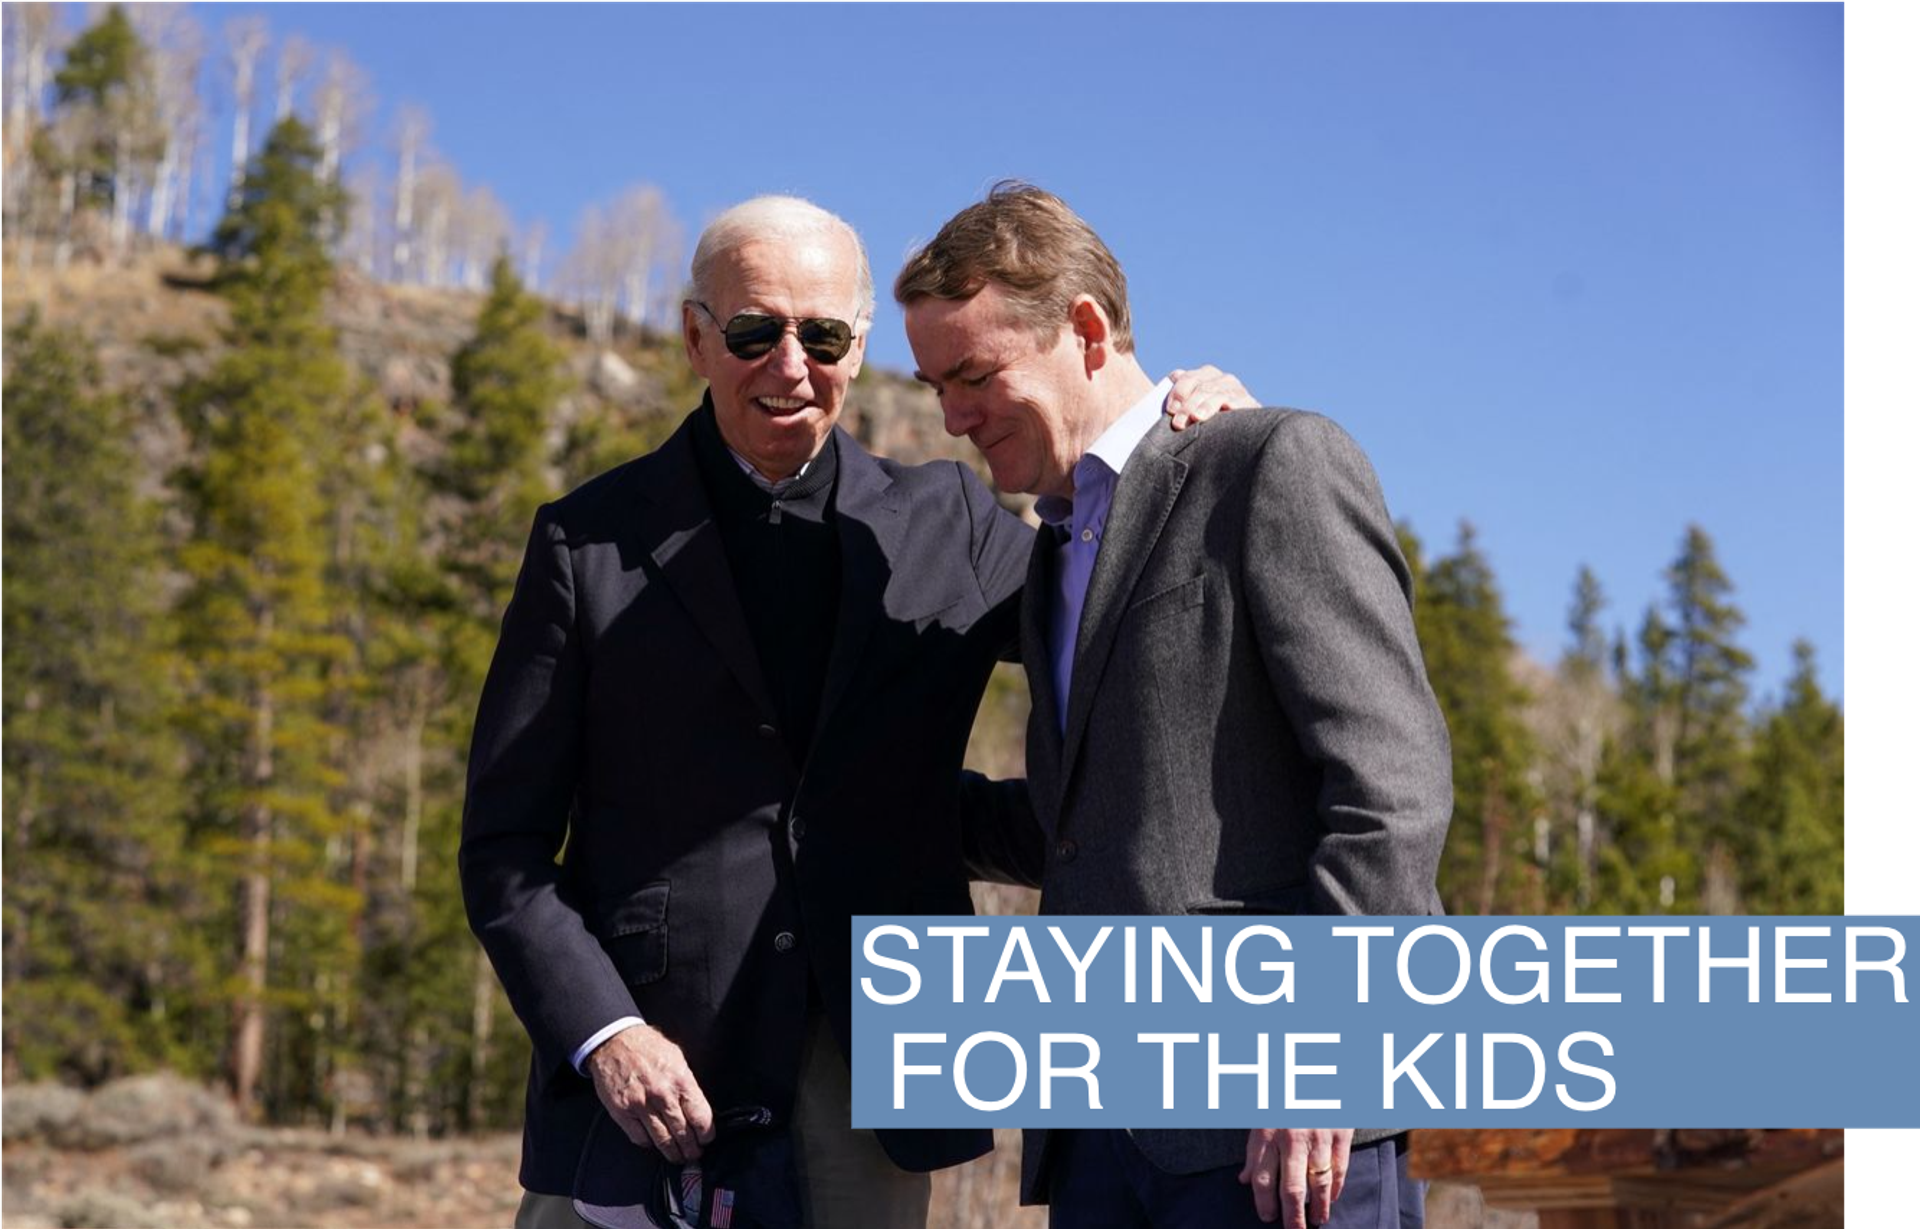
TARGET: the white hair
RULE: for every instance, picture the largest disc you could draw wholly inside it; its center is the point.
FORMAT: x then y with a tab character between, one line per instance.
775	218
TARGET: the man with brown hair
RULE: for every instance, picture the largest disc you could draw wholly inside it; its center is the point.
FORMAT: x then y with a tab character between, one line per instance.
1230	712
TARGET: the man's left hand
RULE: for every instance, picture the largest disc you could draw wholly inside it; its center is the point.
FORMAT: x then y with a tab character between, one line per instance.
1203	392
1296	1174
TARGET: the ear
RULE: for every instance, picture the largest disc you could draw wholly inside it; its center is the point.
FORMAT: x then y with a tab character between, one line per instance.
1091	331
698	342
858	354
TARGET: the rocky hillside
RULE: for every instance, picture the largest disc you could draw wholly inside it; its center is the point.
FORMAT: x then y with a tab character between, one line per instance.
155	323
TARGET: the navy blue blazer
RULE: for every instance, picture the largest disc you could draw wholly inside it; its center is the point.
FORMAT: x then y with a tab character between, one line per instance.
706	876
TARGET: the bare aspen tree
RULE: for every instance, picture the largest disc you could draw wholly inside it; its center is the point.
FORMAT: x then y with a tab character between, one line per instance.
31	30
1574	713
296	60
142	135
438	193
177	49
532	248
662	308
176	44
345	99
246	39
67	137
179	222
132	119
482	227
638	220
360	244
198	182
180	116
592	273
411	138
648	241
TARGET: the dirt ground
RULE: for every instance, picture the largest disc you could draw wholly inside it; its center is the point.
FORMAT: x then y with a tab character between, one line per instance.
158	1153
265	1179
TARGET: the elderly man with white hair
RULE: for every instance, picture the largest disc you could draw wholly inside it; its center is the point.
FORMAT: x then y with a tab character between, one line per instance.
727	713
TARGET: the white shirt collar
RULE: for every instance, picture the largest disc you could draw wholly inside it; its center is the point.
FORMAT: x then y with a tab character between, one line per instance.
1110	451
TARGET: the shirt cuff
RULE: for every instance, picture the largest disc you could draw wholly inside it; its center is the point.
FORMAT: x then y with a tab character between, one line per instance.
593	1043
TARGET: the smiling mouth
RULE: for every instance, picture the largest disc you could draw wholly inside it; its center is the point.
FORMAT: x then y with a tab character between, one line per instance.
780	407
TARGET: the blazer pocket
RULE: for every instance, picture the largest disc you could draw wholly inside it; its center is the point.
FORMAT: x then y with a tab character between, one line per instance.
1172	600
1274	902
633	930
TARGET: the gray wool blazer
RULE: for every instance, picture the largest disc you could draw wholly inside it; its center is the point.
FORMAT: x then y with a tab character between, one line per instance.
1249	729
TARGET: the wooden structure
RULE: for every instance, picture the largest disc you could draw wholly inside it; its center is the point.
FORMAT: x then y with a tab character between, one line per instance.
1573	1179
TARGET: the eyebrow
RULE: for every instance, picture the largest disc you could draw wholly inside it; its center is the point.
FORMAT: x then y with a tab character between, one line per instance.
950	373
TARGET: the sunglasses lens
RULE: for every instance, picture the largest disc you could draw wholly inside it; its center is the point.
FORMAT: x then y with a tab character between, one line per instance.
750	336
826	341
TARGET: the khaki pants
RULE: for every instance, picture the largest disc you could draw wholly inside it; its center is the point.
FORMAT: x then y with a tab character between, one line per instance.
845	1177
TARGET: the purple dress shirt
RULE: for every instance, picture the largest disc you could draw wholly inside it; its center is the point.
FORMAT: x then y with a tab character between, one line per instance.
1083	521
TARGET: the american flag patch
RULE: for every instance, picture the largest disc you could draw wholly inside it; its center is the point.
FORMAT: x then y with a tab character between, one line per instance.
722	1217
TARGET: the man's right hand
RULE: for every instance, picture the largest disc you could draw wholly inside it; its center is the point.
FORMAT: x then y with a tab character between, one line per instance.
643	1080
1296	1174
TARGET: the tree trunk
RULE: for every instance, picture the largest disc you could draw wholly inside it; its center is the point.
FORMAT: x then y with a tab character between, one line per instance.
238	154
535	242
181	212
247	41
18	941
414	1082
32	30
122	195
412	760
482	1039
63	244
256	899
160	203
1493	838
403	185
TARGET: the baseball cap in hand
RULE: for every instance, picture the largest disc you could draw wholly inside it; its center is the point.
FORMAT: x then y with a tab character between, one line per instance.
744	1179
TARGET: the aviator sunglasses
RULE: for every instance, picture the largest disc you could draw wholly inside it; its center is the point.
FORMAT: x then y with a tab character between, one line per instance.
750	334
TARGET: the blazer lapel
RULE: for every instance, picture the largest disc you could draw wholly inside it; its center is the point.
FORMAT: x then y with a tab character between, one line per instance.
1141	504
870	514
678	532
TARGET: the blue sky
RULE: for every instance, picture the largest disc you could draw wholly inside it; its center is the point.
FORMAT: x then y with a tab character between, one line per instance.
1570	272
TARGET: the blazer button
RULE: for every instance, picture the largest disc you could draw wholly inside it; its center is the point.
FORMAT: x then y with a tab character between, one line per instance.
784	941
767	731
798	827
1066	851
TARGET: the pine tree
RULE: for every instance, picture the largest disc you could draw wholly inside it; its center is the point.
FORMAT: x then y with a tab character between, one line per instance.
437	621
1709	740
259	622
107	118
100	975
106	57
1586	654
1795	804
508	380
1646	862
1465	638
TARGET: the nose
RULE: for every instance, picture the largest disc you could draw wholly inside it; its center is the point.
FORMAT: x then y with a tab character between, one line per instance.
959	412
787	359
